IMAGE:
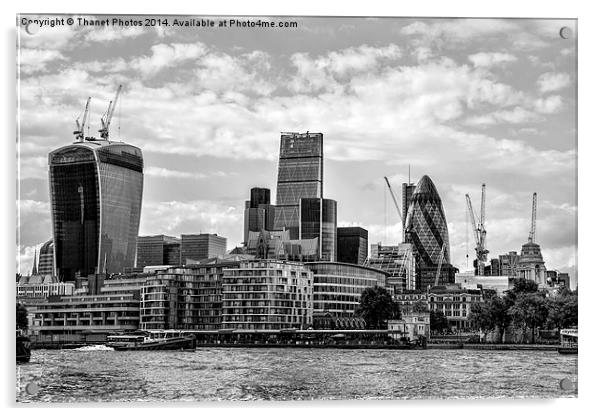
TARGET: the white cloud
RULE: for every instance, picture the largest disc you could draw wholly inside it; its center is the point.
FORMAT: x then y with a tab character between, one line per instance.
167	56
489	59
34	60
517	115
460	29
551	81
158	172
548	105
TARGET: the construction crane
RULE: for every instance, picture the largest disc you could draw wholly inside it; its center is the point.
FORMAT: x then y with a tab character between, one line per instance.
395	201
105	120
441	256
478	227
533	218
79	133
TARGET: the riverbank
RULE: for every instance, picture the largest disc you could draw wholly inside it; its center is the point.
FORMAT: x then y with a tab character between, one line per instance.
495	347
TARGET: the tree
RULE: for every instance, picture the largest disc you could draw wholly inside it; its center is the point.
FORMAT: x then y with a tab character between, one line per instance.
480	317
562	310
377	307
420	307
520	286
438	321
529	310
22	322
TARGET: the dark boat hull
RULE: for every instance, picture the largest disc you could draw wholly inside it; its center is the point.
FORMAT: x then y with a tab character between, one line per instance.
568	350
23	349
180	343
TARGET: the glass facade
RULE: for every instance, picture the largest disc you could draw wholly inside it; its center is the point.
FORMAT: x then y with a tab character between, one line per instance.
338	287
300	175
352	245
426	226
157	250
198	247
318	219
46	261
96	197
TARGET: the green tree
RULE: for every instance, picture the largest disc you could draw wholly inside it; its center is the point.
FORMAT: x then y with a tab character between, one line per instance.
22	322
530	311
480	317
520	286
377	307
438	322
420	307
562	310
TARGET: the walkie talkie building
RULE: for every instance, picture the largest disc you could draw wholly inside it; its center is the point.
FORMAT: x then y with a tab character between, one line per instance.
95	196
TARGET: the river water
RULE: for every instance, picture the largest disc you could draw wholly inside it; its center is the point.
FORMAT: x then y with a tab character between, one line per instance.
291	374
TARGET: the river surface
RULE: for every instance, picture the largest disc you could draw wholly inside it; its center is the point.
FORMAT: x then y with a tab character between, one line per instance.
291	374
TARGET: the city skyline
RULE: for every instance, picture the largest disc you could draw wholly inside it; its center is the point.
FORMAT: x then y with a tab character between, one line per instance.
431	93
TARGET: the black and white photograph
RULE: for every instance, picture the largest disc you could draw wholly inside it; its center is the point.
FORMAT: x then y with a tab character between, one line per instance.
226	208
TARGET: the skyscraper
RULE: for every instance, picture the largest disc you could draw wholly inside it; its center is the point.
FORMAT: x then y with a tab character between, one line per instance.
426	230
96	196
319	219
352	245
407	190
197	247
300	175
259	213
157	250
46	260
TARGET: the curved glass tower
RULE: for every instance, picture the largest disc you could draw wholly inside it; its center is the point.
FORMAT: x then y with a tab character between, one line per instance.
96	196
426	227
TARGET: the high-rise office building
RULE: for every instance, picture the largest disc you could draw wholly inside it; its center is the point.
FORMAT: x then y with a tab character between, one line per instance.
197	247
157	250
352	245
426	230
509	264
95	198
46	259
319	219
407	190
259	213
300	175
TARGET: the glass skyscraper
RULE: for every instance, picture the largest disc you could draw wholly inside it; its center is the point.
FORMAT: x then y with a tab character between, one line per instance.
95	196
426	227
300	175
319	219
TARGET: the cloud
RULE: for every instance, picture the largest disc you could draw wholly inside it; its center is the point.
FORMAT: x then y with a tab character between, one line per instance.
549	105
550	81
167	56
517	115
159	172
111	33
459	29
489	59
35	60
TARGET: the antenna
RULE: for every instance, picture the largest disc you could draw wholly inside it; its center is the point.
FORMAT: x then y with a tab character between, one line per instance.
533	218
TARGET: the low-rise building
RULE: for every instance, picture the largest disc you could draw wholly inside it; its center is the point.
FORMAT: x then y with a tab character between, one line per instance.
411	301
412	325
455	303
468	280
267	295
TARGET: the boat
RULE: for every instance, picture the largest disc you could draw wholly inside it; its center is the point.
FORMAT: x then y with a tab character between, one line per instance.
568	341
23	348
152	340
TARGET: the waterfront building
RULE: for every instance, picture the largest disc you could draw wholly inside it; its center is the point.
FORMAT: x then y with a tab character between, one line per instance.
300	175
338	287
399	263
352	245
508	264
43	286
267	295
95	199
413	326
410	301
531	265
259	213
318	219
198	247
455	303
185	297
157	250
46	259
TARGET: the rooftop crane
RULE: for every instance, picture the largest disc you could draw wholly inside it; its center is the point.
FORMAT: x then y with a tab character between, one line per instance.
480	234
79	133
533	218
395	201
105	120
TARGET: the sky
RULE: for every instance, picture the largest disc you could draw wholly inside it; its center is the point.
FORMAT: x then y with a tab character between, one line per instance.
465	101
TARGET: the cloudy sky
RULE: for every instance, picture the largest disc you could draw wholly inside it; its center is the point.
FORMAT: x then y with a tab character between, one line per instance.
463	101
